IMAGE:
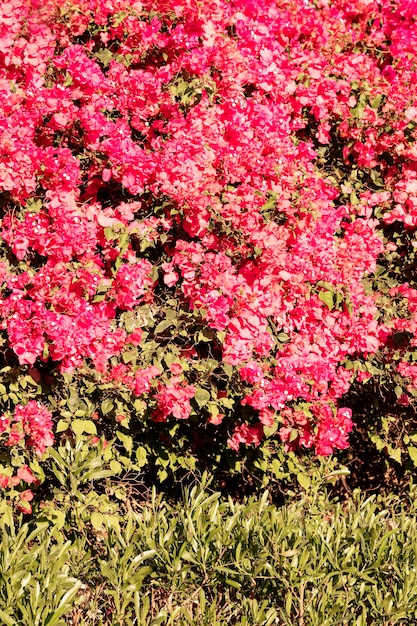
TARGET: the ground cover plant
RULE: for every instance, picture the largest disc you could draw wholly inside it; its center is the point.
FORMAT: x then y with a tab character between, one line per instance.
207	560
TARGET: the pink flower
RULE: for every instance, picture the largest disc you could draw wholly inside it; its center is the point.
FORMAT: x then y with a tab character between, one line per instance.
25	498
4	423
333	431
131	282
216	419
4	481
25	473
135	337
106	175
250	435
175	368
267	417
251	372
37	425
113	171
143	379
174	399
15	436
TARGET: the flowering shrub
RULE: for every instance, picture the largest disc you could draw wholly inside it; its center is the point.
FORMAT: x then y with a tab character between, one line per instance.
201	205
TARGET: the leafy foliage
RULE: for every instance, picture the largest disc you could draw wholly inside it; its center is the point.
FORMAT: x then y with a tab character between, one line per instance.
207	560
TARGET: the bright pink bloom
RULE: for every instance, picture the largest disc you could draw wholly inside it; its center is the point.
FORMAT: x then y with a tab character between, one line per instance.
143	379
37	425
131	282
249	435
333	431
173	399
25	473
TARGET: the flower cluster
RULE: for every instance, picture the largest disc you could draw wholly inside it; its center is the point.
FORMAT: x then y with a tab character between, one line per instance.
197	194
31	424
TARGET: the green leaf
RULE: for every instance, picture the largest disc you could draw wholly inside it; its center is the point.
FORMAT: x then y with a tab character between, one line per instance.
282	337
328	298
141	456
398	390
358	111
326	285
354	198
77	426
288	604
65	605
395	453
89	427
57	517
62	426
412	451
80	427
126	440
97	520
159	619
107	406
270	430
376	102
115	466
202	396
228	369
109	233
304	480
163	326
294	434
269	204
171	314
205	335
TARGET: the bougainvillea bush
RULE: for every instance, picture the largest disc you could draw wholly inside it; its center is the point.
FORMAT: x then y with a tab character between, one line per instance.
208	217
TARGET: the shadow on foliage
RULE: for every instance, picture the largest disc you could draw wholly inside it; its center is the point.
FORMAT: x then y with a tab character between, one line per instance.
377	457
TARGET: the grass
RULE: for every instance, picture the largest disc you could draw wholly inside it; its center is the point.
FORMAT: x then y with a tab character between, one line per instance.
208	560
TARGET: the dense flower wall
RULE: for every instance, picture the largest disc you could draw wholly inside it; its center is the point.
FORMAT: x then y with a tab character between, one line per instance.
196	198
